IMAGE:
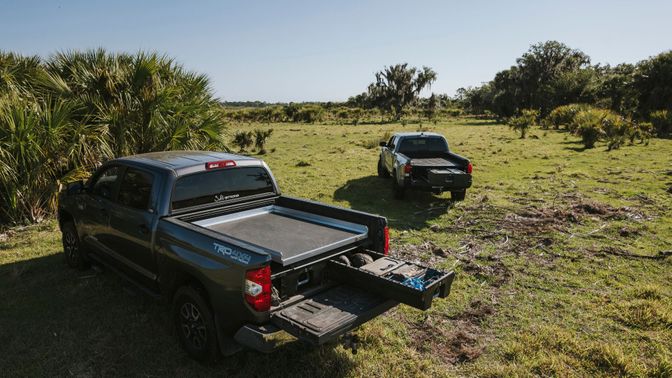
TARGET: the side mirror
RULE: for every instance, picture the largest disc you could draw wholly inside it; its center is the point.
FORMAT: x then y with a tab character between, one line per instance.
76	187
383	144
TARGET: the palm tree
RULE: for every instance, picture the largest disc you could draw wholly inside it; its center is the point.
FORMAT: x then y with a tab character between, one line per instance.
60	118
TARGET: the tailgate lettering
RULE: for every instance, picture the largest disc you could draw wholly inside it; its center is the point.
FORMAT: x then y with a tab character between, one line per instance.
232	253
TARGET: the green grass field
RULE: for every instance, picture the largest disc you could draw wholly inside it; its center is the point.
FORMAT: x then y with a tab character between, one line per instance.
561	257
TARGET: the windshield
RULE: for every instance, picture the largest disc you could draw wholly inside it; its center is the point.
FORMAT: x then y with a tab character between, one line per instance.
423	144
220	185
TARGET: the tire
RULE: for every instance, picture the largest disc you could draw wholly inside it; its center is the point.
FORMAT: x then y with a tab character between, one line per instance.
360	259
72	247
195	325
397	190
458	196
382	172
344	259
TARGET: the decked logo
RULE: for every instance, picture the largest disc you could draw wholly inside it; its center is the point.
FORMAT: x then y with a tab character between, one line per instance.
221	197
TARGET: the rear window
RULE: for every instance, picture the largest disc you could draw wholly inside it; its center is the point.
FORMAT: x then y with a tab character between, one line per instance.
220	185
423	144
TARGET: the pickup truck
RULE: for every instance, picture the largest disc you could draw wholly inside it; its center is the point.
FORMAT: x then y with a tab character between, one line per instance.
422	161
241	264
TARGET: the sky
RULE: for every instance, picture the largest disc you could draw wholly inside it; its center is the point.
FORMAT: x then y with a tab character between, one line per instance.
282	51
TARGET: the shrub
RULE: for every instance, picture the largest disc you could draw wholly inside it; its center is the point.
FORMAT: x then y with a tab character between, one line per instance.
588	125
524	121
260	137
243	140
662	122
563	116
615	129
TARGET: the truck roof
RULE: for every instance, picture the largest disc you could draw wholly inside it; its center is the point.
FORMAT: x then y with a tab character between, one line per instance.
184	162
417	133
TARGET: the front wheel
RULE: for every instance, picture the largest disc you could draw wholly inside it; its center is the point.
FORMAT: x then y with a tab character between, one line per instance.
382	172
195	324
458	195
397	189
72	247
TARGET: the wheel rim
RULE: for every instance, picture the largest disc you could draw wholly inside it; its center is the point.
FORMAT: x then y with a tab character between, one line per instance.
70	246
192	325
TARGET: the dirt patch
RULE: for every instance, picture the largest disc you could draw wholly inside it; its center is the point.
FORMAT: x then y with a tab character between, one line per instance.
453	340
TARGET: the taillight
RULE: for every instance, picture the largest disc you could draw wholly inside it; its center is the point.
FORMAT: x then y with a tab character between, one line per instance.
407	168
470	168
386	232
220	164
258	288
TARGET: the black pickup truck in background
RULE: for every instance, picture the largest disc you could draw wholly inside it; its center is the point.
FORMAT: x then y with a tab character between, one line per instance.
422	161
241	264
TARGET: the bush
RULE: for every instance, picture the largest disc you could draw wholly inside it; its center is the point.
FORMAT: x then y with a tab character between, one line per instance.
662	122
563	116
260	137
524	121
588	125
615	129
243	140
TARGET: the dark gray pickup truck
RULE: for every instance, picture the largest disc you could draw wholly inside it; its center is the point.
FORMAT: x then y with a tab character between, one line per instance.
241	264
422	161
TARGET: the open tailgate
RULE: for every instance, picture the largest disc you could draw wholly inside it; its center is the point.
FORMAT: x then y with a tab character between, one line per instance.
360	295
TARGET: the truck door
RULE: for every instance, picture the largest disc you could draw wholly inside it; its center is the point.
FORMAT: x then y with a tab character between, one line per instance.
131	222
95	219
388	154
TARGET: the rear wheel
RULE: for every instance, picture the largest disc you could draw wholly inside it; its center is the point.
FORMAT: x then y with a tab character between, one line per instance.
72	248
458	195
195	325
397	189
382	172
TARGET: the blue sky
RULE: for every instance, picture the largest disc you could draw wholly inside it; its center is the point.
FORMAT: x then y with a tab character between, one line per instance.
330	50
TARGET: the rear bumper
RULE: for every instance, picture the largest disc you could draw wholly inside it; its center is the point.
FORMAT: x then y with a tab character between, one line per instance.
424	186
264	338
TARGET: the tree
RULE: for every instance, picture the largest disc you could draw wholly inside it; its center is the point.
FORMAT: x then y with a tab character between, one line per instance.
63	116
398	86
653	83
431	106
549	74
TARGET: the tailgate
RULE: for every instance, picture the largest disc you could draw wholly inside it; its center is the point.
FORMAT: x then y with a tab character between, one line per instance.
327	315
361	294
451	177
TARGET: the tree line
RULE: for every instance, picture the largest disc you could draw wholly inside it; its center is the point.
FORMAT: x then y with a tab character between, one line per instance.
551	74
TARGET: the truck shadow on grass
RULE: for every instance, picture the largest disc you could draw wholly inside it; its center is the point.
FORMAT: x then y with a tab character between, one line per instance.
374	194
61	322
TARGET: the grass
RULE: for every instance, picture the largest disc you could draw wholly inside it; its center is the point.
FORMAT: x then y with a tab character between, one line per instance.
557	251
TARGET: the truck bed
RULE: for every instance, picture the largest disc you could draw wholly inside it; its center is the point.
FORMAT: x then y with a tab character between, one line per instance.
432	162
288	235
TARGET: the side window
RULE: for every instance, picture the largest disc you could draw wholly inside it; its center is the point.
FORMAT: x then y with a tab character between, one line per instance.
104	185
390	144
136	189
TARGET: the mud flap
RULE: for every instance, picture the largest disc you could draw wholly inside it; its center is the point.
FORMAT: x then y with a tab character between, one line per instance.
327	315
